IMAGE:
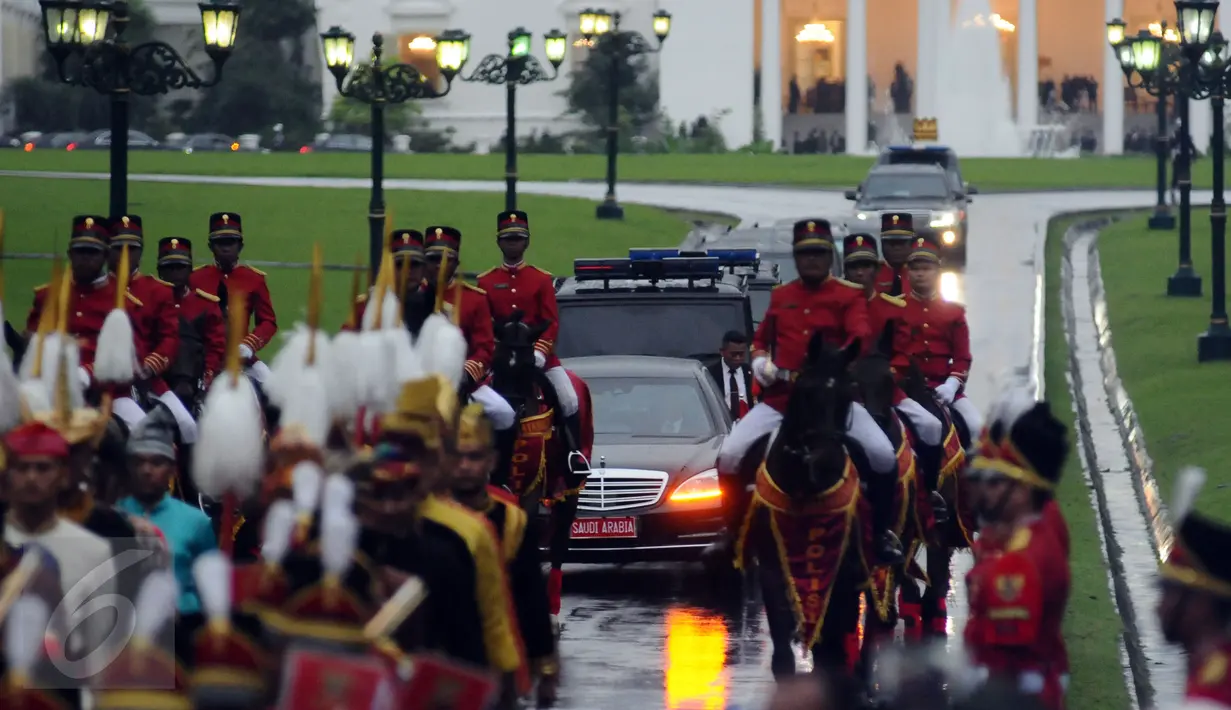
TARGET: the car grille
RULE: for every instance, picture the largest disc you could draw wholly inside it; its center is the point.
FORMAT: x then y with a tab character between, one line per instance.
621	488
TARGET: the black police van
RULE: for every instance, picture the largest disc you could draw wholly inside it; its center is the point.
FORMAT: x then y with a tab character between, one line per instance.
660	302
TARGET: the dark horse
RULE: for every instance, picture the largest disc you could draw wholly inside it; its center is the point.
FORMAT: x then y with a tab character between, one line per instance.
809	522
539	468
941	476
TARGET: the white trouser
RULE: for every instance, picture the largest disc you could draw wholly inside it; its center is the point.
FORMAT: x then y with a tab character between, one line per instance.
258	371
187	425
126	408
970	415
563	386
495	407
927	426
764	419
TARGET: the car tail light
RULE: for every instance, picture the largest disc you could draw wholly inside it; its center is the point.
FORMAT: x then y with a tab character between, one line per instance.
29	147
234	147
70	147
701	487
304	150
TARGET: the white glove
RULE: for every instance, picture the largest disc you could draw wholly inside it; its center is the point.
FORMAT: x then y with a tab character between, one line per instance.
948	390
540	360
764	370
83	375
245	352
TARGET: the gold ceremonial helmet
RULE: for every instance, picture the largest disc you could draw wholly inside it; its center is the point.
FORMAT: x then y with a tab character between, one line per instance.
422	408
474	430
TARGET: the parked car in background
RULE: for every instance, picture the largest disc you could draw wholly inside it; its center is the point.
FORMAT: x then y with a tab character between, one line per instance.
102	139
8	140
339	143
56	141
209	142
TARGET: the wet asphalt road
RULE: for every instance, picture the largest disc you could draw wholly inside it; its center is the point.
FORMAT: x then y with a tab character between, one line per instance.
659	636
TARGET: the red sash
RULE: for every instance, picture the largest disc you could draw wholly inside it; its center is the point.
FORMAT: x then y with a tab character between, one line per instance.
907	526
530	454
959	532
812	540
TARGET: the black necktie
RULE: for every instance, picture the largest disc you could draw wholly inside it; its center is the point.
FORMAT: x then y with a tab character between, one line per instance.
733	397
897	282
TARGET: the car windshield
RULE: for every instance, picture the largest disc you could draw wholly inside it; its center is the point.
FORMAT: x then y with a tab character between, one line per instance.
636	408
661	328
898	187
786	266
759	300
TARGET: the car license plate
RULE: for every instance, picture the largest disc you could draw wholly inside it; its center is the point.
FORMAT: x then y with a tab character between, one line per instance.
599	528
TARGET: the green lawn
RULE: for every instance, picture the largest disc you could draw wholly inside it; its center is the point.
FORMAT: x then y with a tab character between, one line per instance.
1182	404
802	170
1092	629
281	224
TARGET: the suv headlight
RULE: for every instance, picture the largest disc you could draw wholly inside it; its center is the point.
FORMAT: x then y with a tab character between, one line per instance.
943	219
861	216
701	487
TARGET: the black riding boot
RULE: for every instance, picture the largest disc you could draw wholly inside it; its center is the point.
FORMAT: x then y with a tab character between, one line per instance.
572	423
735	502
882	490
506	442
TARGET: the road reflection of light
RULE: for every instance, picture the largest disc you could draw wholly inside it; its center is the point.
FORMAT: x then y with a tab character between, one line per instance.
696	654
951	287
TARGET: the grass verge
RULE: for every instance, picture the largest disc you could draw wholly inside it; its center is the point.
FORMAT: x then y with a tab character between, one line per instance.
282	224
1092	629
1181	404
728	168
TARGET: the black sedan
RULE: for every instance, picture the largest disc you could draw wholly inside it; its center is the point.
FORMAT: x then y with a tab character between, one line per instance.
653	494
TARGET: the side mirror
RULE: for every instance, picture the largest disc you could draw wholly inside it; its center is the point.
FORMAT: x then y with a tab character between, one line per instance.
971	189
851	195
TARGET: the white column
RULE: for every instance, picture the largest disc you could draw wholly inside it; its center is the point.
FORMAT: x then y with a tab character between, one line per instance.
1112	87
926	65
771	70
1027	64
856	31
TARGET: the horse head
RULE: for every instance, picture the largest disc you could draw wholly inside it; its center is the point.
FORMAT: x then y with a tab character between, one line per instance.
873	379
813	430
915	386
514	371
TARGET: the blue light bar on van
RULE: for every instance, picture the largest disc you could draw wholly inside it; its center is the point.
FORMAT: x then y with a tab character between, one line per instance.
647	269
652	254
928	147
735	257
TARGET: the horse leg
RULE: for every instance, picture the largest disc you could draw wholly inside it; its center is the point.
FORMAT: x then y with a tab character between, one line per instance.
833	653
934	612
910	601
563	513
506	444
776	596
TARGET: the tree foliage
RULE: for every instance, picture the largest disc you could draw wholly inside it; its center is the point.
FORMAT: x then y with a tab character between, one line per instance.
267	79
589	90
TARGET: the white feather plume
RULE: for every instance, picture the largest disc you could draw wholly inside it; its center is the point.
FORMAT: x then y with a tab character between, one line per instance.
339	493
373	364
390	311
289	361
279	524
306	480
55	349
442	348
115	358
156	602
212	573
306	404
344	381
10	393
230	450
34	393
369	314
26	372
24	629
407	364
339	535
1187	486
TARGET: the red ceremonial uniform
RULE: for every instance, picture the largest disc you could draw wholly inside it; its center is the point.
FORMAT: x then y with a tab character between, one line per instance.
530	290
887	280
934	333
1017	603
475	318
157	328
200	311
836	308
882	310
213	280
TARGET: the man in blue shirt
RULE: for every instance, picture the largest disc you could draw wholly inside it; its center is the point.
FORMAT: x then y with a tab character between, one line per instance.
187	530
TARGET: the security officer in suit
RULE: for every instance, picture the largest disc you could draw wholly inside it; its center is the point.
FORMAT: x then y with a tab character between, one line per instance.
732	375
1195	609
897	231
226	276
933	333
1019	585
518	286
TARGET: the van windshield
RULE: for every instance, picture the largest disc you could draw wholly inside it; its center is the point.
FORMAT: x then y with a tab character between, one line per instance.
667	328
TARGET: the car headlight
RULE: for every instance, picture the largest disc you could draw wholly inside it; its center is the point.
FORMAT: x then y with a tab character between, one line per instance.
949	237
703	486
861	216
943	219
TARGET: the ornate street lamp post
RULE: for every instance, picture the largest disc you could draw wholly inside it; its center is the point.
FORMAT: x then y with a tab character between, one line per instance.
518	67
1160	68
603	28
86	40
378	86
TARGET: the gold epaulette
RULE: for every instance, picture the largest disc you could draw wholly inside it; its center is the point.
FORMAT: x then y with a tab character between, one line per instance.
202	266
253	268
900	303
485	273
472	287
1019	541
42	287
849	284
541	271
164	283
134	299
208	296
